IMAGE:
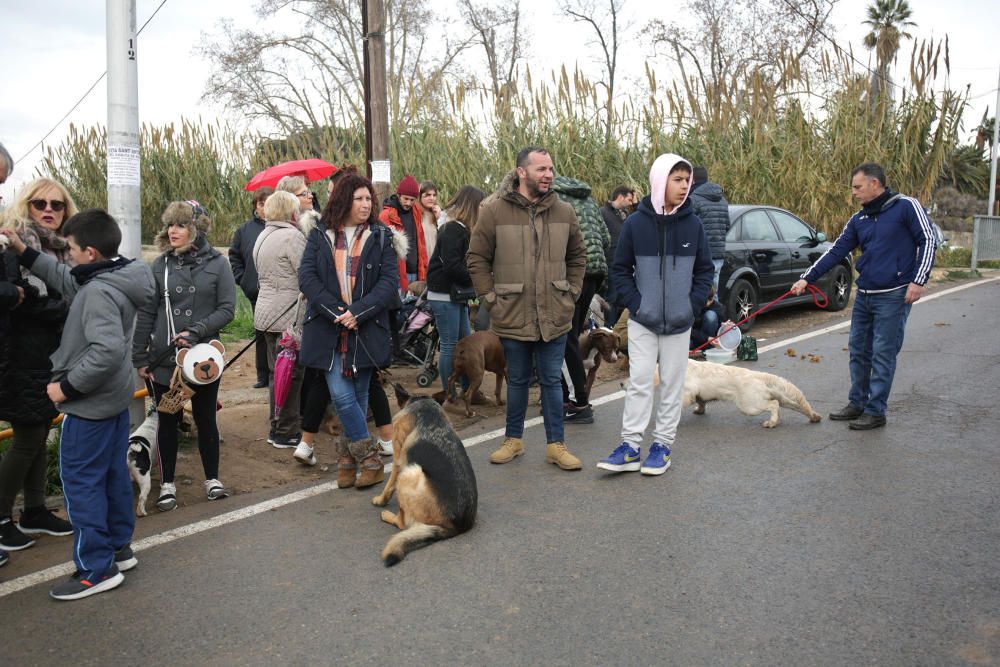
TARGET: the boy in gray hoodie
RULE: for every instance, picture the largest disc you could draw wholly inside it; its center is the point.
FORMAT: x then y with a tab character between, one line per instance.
92	384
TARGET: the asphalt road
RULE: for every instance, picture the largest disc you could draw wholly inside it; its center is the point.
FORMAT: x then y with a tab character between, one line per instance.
808	544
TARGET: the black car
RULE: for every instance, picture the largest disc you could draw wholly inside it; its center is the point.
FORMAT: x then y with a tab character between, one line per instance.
767	250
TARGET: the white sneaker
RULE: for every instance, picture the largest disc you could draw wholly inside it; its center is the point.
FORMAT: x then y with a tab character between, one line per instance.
385	447
214	489
168	497
304	453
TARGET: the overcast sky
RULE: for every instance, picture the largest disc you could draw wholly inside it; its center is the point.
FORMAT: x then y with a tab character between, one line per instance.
53	50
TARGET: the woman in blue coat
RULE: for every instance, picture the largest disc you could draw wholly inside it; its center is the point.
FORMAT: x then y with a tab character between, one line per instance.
350	277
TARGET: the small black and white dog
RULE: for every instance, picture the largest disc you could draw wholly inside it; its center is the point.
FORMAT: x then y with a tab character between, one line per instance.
141	454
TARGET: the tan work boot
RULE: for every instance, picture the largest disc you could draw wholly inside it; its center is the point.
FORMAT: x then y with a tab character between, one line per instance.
557	453
509	449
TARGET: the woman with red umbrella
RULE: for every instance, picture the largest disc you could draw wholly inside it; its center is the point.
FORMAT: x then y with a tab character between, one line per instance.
350	277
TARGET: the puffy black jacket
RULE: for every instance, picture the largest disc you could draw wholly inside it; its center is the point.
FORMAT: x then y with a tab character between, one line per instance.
241	256
447	264
31	334
711	206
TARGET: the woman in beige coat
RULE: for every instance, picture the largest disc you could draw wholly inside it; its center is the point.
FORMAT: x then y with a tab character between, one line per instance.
277	254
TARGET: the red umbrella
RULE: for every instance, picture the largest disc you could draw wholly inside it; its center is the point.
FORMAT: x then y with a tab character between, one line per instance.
311	169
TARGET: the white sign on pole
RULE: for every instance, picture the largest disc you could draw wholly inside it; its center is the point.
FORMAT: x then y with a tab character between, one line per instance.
381	171
123	165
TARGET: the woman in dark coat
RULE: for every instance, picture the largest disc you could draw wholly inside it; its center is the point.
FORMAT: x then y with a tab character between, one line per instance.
32	327
349	275
447	268
202	295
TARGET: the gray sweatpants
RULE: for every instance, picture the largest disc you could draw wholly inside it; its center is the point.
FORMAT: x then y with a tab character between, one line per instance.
645	350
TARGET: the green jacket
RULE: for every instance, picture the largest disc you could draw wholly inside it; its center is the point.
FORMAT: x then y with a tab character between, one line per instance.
595	233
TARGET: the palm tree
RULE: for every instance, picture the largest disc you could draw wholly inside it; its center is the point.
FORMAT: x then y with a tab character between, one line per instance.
888	20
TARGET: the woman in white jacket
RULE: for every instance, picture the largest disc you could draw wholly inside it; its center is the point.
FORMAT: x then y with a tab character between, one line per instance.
277	255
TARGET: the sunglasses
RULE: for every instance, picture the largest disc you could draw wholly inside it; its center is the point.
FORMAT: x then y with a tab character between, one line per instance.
42	204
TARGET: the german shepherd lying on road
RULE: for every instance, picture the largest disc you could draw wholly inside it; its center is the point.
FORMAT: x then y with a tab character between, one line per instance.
432	477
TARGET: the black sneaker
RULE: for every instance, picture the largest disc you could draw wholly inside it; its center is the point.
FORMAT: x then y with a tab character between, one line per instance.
579	414
11	538
3	558
285	443
867	422
78	587
125	558
36	520
261	384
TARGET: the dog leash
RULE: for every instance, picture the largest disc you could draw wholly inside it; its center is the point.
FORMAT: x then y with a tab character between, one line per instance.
818	297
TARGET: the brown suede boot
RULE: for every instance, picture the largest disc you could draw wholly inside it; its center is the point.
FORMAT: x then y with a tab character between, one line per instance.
347	468
366	452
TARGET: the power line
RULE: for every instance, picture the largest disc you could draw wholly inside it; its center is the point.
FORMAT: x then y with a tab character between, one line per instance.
89	91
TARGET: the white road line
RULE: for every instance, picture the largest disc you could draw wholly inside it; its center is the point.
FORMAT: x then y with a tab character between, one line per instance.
66	569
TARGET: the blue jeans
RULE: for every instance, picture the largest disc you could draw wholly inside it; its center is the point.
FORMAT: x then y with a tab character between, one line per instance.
710	323
878	322
350	398
452	321
550	355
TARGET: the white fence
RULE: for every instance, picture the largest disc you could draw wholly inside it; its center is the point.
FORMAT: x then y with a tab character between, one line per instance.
985	238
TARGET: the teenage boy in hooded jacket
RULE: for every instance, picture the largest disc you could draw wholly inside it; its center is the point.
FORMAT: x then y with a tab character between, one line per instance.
662	272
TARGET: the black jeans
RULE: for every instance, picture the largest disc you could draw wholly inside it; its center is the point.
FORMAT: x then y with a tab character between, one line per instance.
23	466
574	361
260	353
203	408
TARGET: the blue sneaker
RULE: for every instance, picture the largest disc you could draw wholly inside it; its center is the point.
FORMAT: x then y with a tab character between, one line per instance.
658	460
623	459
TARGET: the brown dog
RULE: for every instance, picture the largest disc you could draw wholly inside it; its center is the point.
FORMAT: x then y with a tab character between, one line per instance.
432	477
597	344
474	355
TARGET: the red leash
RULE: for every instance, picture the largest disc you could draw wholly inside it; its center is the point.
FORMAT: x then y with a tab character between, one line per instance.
817	295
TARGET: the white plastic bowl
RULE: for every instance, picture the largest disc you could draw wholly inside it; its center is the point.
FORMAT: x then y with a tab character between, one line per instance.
730	340
719	356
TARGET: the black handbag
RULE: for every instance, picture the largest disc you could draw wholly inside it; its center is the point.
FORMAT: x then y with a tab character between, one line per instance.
461	294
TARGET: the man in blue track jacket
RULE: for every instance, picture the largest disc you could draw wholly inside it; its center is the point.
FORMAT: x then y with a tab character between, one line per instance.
897	244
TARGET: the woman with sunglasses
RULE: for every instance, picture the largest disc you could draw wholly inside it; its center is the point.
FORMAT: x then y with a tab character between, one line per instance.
33	328
43	206
350	277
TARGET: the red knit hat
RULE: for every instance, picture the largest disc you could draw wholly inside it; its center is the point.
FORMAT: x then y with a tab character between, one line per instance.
408	187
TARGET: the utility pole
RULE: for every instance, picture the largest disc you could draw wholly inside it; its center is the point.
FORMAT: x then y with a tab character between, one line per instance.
123	141
996	144
123	125
376	98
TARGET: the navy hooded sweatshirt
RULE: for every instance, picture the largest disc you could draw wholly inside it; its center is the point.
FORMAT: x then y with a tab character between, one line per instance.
663	264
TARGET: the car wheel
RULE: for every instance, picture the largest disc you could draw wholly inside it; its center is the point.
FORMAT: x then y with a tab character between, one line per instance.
742	301
840	288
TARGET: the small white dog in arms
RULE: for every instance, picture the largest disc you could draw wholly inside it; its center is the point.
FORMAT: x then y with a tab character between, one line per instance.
752	391
141	454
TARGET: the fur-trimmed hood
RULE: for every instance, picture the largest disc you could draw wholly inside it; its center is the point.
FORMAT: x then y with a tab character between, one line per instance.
308	221
181	213
400	243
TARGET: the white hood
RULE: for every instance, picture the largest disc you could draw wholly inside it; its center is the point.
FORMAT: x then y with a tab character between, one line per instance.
658	181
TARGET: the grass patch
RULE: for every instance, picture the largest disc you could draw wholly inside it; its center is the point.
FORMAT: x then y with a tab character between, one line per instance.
241	328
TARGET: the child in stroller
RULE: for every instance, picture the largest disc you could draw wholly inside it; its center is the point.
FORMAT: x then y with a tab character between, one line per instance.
418	339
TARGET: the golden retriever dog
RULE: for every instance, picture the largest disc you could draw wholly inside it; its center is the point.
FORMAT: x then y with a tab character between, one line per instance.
752	391
432	478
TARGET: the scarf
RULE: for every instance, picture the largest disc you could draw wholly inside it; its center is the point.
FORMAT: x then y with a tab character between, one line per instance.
84	273
875	206
347	261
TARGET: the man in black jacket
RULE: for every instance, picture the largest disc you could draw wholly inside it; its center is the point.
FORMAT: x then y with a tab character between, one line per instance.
245	271
711	206
614	213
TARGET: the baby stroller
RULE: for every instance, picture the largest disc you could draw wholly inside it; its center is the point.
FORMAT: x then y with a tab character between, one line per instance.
418	340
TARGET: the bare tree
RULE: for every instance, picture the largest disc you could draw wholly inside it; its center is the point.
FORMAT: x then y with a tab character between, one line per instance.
732	40
498	30
312	77
606	37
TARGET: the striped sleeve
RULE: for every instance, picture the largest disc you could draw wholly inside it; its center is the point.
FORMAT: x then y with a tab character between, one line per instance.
923	234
